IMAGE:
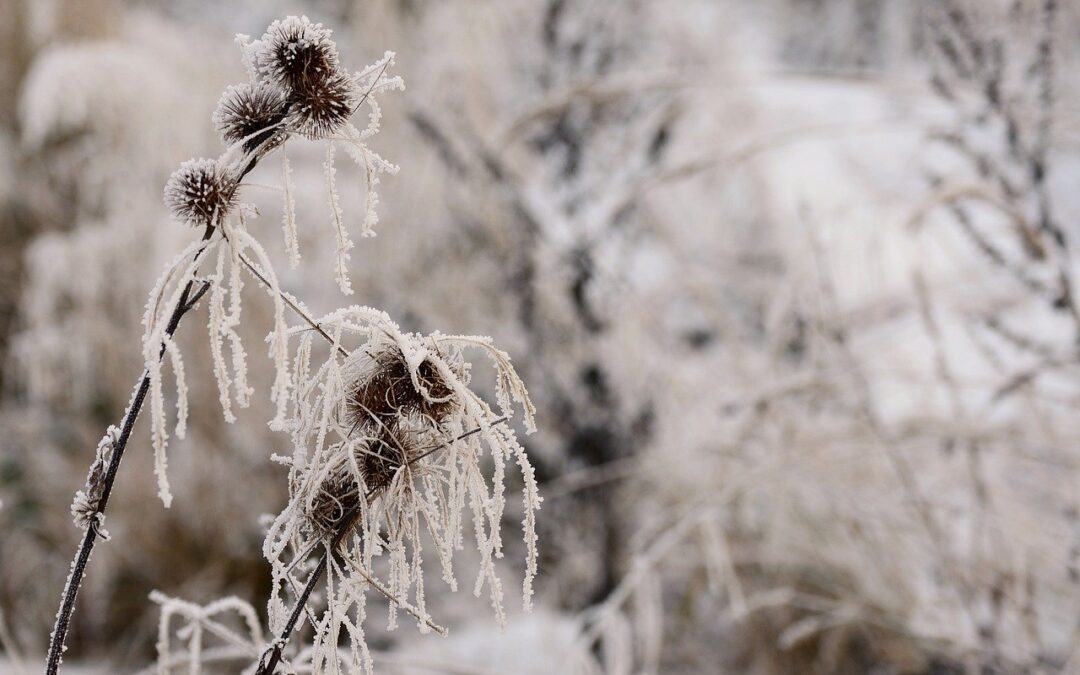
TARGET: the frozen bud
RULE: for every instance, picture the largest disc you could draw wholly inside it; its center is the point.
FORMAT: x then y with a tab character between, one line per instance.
252	114
323	107
84	510
200	192
295	54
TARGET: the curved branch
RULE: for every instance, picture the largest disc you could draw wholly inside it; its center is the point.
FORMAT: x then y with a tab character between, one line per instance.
184	304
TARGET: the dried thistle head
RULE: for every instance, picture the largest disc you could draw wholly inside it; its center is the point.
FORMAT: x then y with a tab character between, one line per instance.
386	389
394	431
252	113
337	497
379	452
296	54
323	106
201	192
382	454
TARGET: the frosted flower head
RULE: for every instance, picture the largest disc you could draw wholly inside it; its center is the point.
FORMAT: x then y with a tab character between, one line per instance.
385	389
324	106
337	497
252	113
378	454
200	192
395	457
296	54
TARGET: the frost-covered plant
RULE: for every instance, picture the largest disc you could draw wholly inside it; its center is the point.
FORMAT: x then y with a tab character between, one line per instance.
388	442
257	117
204	193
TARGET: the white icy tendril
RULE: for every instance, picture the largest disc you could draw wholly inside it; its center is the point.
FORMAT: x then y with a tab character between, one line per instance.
292	243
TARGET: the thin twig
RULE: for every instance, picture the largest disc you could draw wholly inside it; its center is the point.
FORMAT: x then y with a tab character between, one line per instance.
371	87
270	667
390	596
300	311
464	435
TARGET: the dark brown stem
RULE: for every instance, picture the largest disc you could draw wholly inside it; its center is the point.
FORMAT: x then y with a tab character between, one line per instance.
271	664
58	637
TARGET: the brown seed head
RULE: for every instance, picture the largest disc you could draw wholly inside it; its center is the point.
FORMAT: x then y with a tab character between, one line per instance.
200	192
323	106
253	114
295	53
384	450
337	499
385	391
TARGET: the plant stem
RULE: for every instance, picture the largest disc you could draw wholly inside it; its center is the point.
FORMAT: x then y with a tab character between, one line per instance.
270	667
57	647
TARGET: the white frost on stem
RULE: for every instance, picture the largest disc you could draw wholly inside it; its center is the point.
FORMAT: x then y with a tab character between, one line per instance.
344	244
292	243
